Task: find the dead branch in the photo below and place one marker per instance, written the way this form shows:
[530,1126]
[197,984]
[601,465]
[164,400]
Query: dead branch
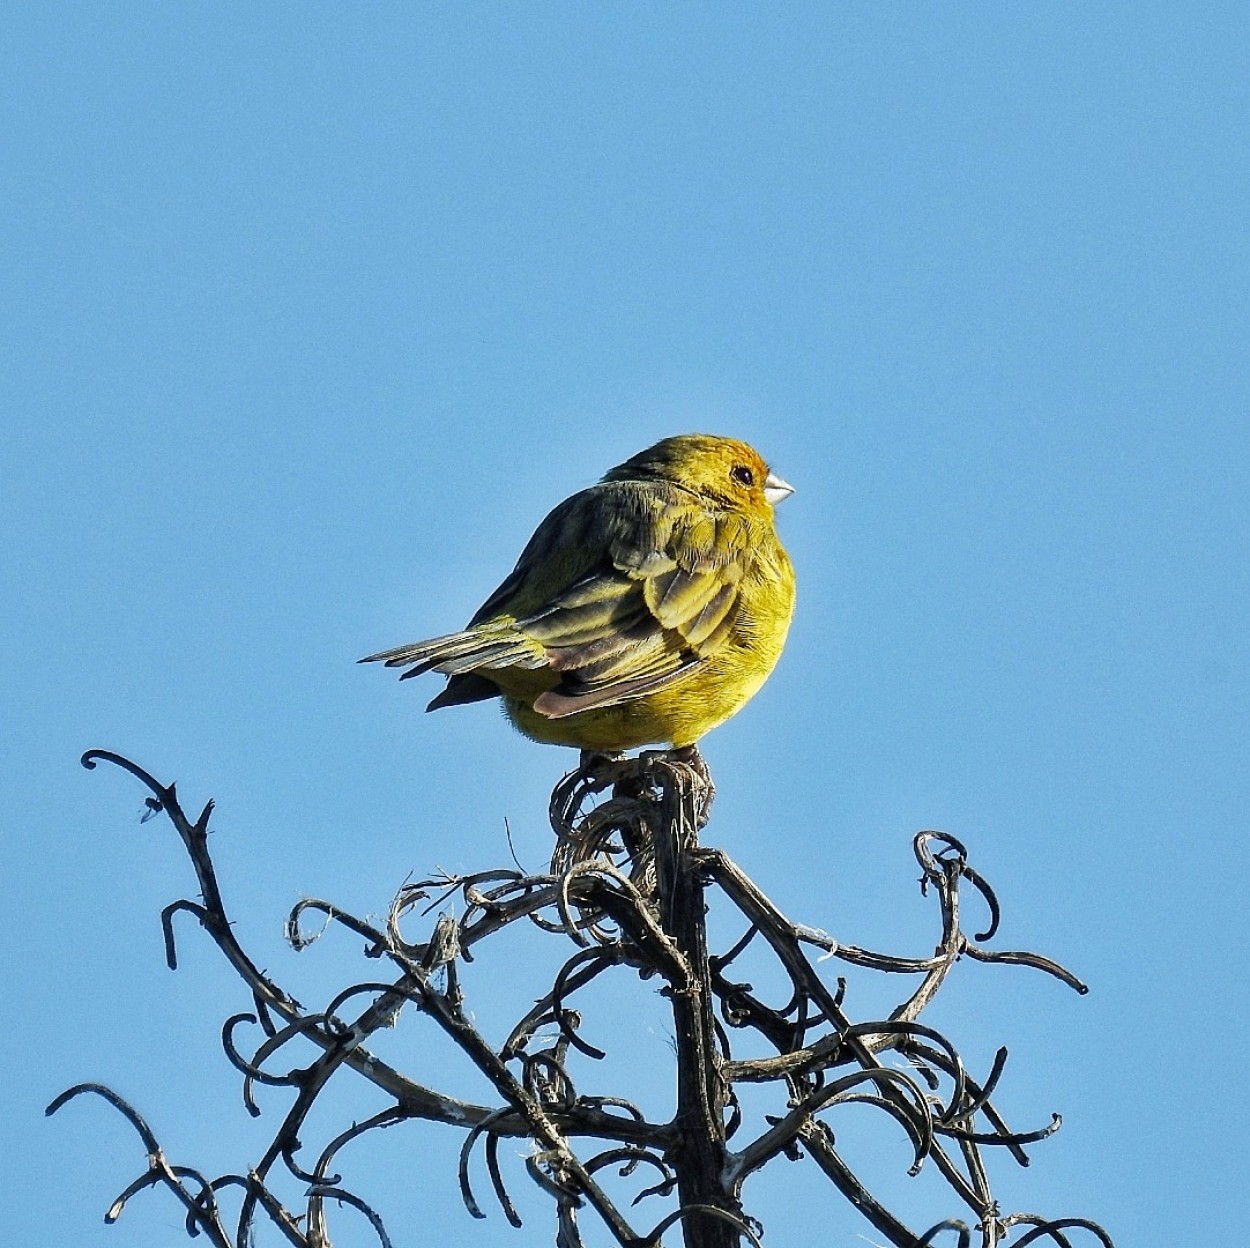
[628,888]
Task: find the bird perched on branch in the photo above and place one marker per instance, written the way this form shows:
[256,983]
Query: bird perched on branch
[646,609]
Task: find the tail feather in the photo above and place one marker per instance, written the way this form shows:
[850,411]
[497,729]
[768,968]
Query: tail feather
[457,653]
[462,689]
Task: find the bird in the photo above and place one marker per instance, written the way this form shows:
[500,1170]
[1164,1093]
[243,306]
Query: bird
[645,610]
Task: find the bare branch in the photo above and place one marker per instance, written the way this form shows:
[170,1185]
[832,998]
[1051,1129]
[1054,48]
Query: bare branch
[628,888]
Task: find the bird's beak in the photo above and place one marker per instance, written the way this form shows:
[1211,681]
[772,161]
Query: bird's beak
[775,489]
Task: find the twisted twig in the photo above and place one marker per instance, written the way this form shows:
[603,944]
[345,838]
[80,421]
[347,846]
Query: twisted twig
[626,889]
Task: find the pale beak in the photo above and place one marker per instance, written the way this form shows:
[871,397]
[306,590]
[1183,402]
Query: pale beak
[775,489]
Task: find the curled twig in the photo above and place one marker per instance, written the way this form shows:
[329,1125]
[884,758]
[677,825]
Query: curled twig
[950,1224]
[466,1151]
[680,1215]
[629,884]
[1053,1227]
[347,1198]
[200,1206]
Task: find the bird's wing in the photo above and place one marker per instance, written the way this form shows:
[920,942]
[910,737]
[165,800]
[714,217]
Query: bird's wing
[659,601]
[625,588]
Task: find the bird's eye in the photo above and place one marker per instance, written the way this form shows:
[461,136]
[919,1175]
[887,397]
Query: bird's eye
[743,475]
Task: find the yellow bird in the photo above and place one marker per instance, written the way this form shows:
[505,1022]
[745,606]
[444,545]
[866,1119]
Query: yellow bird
[646,609]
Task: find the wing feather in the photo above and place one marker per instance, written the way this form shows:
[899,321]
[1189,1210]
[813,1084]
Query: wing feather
[556,704]
[663,601]
[624,589]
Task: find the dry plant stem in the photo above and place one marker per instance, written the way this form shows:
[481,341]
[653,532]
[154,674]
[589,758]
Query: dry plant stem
[421,1101]
[627,892]
[699,1154]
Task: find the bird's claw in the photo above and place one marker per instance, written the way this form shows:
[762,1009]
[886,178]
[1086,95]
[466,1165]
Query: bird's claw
[689,756]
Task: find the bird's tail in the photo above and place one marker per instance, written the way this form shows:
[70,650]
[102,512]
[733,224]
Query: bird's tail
[469,651]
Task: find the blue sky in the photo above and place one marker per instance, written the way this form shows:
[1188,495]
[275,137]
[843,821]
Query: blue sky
[311,312]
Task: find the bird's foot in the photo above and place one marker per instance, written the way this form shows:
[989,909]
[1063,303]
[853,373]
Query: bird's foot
[689,756]
[594,761]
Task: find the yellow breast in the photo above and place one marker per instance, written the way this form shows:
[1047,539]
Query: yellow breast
[680,714]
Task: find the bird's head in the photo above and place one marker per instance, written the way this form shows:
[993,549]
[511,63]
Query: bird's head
[722,470]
